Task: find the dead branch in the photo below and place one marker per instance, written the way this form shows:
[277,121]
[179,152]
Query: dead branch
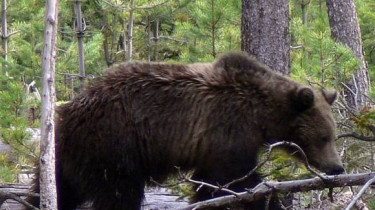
[166,185]
[184,178]
[136,8]
[10,34]
[266,188]
[6,194]
[201,184]
[360,193]
[169,38]
[357,136]
[268,155]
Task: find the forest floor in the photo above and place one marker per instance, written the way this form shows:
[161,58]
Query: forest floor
[155,199]
[164,199]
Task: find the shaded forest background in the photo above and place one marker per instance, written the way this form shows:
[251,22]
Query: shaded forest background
[184,31]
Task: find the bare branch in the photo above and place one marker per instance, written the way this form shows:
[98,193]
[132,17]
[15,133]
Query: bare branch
[13,33]
[152,6]
[201,184]
[269,151]
[360,193]
[348,88]
[5,194]
[296,47]
[266,188]
[184,178]
[169,38]
[166,185]
[357,136]
[135,8]
[116,6]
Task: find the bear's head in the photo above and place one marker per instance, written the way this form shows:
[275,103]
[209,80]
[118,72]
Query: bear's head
[306,120]
[313,128]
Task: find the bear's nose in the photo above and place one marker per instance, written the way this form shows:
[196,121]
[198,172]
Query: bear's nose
[338,169]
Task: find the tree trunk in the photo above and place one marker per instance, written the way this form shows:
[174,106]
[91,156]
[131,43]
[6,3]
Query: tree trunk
[265,32]
[4,34]
[148,25]
[130,31]
[156,40]
[47,144]
[106,32]
[81,52]
[213,29]
[114,36]
[304,5]
[124,41]
[345,29]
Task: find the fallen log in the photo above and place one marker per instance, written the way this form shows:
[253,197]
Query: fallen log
[163,199]
[266,188]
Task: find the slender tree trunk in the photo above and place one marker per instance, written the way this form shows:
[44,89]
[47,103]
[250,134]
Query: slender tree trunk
[345,29]
[48,193]
[114,36]
[265,32]
[156,40]
[304,5]
[107,53]
[130,31]
[4,34]
[80,35]
[125,37]
[148,25]
[213,28]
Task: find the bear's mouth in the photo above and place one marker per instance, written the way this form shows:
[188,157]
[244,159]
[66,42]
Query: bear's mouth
[333,169]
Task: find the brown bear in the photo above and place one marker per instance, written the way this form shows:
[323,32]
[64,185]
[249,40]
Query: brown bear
[142,120]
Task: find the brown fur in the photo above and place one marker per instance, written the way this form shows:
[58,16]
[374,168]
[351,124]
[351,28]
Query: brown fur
[142,120]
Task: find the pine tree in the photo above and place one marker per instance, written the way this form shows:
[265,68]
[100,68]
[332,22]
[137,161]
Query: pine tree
[265,32]
[345,29]
[316,57]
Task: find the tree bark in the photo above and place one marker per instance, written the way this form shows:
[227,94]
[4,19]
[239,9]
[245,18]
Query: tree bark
[47,144]
[4,34]
[267,188]
[81,52]
[107,52]
[124,41]
[156,40]
[130,31]
[213,29]
[345,29]
[304,5]
[265,32]
[148,25]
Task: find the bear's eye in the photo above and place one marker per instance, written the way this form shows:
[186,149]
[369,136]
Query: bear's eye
[325,139]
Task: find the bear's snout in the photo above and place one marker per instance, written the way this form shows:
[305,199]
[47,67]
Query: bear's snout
[337,169]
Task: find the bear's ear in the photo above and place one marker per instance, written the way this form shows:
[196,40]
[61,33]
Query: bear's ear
[234,61]
[239,64]
[303,99]
[330,96]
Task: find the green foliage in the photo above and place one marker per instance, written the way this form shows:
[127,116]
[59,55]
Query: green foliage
[8,170]
[366,14]
[14,129]
[209,24]
[365,120]
[189,31]
[317,57]
[371,204]
[183,190]
[282,167]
